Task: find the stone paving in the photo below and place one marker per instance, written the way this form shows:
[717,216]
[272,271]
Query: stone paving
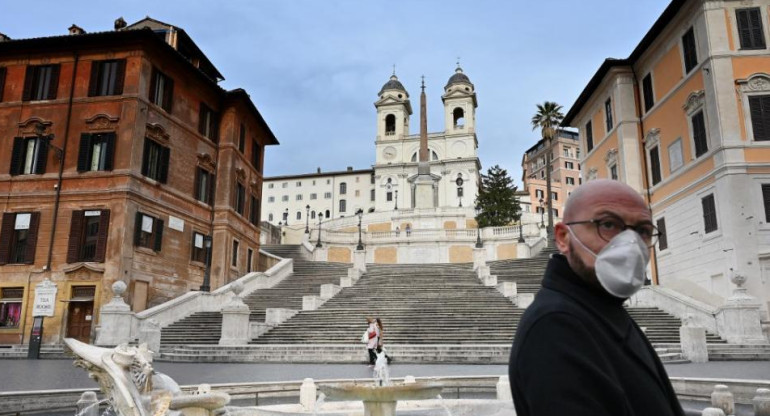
[24,375]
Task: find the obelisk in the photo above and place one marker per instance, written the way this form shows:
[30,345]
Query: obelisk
[424,189]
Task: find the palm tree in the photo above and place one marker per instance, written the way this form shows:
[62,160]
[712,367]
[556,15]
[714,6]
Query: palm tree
[548,118]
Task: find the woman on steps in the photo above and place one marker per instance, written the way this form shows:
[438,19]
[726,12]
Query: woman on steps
[372,335]
[380,347]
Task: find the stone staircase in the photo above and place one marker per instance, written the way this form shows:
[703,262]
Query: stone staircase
[46,351]
[205,327]
[286,251]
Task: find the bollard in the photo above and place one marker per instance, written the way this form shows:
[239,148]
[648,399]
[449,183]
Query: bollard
[762,402]
[307,394]
[723,399]
[88,405]
[712,411]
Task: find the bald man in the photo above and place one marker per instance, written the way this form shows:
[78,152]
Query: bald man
[576,350]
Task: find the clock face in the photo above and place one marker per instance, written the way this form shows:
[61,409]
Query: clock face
[389,153]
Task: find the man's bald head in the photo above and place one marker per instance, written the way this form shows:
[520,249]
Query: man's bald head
[600,191]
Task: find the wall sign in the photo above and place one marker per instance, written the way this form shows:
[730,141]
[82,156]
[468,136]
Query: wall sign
[45,298]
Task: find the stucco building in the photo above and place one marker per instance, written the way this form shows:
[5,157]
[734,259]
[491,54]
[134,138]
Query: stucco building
[120,156]
[685,120]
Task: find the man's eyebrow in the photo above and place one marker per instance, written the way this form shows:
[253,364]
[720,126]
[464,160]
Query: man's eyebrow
[602,214]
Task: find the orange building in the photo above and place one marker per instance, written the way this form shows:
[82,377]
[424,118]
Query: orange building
[120,156]
[685,120]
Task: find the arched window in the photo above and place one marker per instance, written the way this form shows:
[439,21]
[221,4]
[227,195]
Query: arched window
[343,188]
[328,214]
[459,117]
[390,125]
[299,215]
[433,156]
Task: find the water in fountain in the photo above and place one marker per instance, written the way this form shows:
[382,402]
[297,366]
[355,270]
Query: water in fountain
[381,371]
[88,410]
[442,404]
[318,403]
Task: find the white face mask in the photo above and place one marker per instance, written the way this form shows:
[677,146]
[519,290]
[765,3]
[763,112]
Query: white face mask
[620,265]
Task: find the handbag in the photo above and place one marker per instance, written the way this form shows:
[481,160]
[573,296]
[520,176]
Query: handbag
[365,337]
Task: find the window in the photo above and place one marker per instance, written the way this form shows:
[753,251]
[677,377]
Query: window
[155,161]
[589,137]
[675,159]
[239,198]
[750,29]
[312,215]
[570,180]
[608,114]
[198,248]
[358,179]
[539,193]
[18,237]
[299,197]
[460,192]
[242,139]
[358,192]
[2,81]
[285,198]
[161,90]
[327,195]
[699,133]
[372,194]
[690,53]
[554,196]
[148,232]
[236,245]
[88,236]
[567,152]
[249,259]
[41,83]
[270,199]
[660,224]
[459,117]
[29,155]
[313,196]
[285,185]
[343,188]
[709,214]
[614,172]
[254,209]
[96,152]
[389,196]
[569,165]
[270,186]
[286,216]
[299,184]
[256,155]
[542,174]
[655,165]
[208,123]
[649,98]
[390,125]
[204,186]
[107,78]
[328,214]
[270,217]
[759,109]
[766,200]
[10,306]
[299,215]
[343,205]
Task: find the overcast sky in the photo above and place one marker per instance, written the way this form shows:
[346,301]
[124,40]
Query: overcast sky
[313,68]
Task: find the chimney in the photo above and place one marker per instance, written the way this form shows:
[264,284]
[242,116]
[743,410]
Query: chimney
[350,168]
[4,37]
[76,30]
[319,170]
[120,23]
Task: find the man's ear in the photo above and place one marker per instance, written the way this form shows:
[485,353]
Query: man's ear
[561,235]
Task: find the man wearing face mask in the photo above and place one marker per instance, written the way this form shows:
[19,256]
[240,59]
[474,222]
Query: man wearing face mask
[576,349]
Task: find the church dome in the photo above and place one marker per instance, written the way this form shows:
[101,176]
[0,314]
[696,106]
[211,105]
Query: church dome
[458,77]
[392,84]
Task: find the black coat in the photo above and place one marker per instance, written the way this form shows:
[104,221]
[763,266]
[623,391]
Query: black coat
[578,352]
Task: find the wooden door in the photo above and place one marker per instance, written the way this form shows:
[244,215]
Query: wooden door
[79,320]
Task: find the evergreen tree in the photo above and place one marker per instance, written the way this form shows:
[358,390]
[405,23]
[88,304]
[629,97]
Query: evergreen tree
[497,199]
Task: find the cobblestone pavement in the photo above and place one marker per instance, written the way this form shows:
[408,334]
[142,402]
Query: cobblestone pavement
[24,375]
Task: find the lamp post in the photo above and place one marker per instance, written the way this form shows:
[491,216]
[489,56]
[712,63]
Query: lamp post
[307,219]
[320,215]
[478,228]
[542,212]
[206,286]
[360,214]
[396,206]
[286,216]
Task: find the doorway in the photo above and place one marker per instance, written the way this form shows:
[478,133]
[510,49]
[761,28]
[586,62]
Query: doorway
[80,313]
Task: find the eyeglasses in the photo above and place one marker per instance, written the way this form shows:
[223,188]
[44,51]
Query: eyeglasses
[609,227]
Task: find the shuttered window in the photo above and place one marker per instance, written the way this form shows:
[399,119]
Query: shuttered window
[18,237]
[29,155]
[655,165]
[750,29]
[242,139]
[699,134]
[589,137]
[663,238]
[96,152]
[254,210]
[3,71]
[236,247]
[208,123]
[107,78]
[161,90]
[689,50]
[155,161]
[256,155]
[204,186]
[41,83]
[766,200]
[709,214]
[148,232]
[759,108]
[608,114]
[198,248]
[88,236]
[649,98]
[239,201]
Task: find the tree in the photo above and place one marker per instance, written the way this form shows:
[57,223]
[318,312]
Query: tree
[496,201]
[548,118]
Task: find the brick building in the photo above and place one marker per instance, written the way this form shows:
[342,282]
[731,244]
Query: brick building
[119,153]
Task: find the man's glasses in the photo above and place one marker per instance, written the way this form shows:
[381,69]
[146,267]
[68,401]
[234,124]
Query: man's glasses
[609,227]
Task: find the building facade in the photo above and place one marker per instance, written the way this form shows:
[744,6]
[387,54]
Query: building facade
[685,120]
[390,184]
[121,157]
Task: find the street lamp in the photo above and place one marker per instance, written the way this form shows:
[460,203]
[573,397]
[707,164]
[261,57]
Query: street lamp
[542,212]
[307,219]
[286,216]
[360,214]
[320,215]
[206,286]
[396,207]
[478,228]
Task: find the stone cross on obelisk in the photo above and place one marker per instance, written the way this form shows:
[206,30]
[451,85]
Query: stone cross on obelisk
[424,184]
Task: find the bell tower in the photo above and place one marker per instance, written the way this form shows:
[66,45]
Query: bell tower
[459,104]
[393,111]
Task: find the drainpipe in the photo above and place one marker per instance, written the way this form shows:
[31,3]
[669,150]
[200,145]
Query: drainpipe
[61,163]
[644,165]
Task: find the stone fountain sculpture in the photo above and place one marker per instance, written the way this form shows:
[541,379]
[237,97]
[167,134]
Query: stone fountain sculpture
[125,375]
